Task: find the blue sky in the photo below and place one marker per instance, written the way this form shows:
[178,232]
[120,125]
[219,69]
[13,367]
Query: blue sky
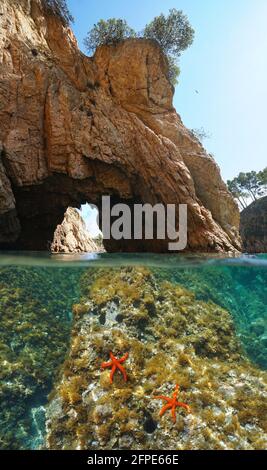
[227,64]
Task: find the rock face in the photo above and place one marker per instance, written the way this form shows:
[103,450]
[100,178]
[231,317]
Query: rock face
[72,236]
[254,226]
[74,128]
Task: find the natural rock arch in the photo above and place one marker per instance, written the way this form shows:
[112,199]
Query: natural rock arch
[74,128]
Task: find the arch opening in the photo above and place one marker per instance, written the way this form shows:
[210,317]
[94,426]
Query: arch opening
[79,232]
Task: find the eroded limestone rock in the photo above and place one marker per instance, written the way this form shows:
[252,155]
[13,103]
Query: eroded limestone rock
[72,235]
[74,128]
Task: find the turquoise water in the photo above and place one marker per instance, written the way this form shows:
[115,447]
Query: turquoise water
[37,294]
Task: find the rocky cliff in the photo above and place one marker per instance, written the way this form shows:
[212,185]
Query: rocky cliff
[254,226]
[74,128]
[72,236]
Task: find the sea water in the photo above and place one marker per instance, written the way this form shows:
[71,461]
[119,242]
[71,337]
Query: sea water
[60,315]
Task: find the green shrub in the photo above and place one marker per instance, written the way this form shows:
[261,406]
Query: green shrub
[173,32]
[174,70]
[107,32]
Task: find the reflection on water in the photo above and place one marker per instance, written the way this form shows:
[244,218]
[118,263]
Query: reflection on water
[46,259]
[197,321]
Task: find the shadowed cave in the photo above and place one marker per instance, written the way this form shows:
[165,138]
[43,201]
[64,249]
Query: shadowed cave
[40,208]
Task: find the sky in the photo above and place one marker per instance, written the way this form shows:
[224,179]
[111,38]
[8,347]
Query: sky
[227,65]
[90,217]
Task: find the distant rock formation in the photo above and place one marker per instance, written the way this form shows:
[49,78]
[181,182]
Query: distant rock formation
[74,128]
[254,226]
[72,236]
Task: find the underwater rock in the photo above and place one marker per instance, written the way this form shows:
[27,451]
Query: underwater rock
[241,291]
[38,420]
[74,128]
[182,341]
[253,226]
[72,235]
[263,340]
[34,337]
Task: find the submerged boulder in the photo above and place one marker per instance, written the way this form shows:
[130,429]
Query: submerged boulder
[171,338]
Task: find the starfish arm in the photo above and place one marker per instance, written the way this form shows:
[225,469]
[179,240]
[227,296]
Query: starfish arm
[183,405]
[122,371]
[112,373]
[104,365]
[162,397]
[176,391]
[125,377]
[173,414]
[123,358]
[164,408]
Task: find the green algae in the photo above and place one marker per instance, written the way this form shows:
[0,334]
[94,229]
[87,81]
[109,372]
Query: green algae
[185,340]
[198,327]
[35,323]
[240,290]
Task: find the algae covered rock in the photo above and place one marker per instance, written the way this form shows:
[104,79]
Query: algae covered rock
[171,338]
[242,291]
[34,335]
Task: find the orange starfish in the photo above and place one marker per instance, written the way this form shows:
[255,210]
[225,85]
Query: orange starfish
[115,364]
[172,403]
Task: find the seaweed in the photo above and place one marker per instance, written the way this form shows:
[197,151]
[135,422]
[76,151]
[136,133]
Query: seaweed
[186,341]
